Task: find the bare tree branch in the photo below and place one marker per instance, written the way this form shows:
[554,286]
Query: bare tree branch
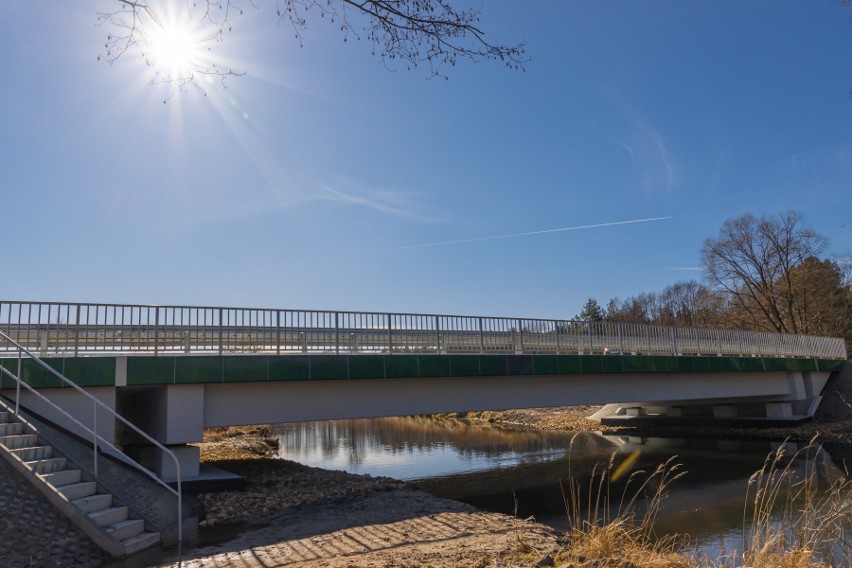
[432,33]
[134,26]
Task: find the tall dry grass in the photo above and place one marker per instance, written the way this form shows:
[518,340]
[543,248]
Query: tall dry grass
[607,531]
[788,520]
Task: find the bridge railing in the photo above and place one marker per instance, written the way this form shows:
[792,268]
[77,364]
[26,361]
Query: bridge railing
[71,329]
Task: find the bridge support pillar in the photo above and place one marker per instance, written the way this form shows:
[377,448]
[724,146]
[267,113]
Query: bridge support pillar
[171,414]
[779,410]
[724,411]
[154,459]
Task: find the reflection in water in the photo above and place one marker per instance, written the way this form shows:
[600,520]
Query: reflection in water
[522,472]
[416,447]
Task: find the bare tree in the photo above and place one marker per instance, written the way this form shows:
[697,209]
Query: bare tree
[687,303]
[753,263]
[433,33]
[642,308]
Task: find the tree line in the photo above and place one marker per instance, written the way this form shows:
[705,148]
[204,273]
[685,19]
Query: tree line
[763,273]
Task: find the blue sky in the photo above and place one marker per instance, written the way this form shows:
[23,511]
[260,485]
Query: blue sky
[287,188]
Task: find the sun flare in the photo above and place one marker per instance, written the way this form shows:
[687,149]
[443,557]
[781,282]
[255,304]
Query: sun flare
[175,49]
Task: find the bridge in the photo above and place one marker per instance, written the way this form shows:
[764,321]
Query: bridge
[175,370]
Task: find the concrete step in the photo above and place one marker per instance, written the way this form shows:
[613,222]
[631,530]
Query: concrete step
[19,441]
[91,503]
[109,517]
[9,428]
[140,542]
[78,490]
[48,465]
[5,417]
[34,453]
[64,477]
[126,529]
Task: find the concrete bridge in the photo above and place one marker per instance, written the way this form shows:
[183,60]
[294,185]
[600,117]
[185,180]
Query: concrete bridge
[175,370]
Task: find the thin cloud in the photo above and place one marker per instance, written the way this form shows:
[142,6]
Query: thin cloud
[645,146]
[515,235]
[383,201]
[686,268]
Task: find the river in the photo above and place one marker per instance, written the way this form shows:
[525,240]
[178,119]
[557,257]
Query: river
[525,473]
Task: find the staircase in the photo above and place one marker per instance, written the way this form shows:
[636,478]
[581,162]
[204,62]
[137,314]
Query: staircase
[107,523]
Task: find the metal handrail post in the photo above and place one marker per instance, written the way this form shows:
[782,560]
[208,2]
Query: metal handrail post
[18,384]
[520,346]
[95,436]
[481,338]
[179,510]
[220,331]
[77,333]
[336,333]
[390,335]
[278,332]
[438,334]
[556,328]
[589,332]
[156,329]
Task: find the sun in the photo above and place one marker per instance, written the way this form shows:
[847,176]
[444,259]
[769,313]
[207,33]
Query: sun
[175,49]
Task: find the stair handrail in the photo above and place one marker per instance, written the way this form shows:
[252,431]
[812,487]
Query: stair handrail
[94,430]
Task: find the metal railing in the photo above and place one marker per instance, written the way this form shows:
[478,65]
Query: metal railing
[69,329]
[93,431]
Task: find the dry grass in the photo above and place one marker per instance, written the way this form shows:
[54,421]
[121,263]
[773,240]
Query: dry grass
[605,533]
[793,522]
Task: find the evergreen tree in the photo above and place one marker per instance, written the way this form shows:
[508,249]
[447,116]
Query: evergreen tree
[592,311]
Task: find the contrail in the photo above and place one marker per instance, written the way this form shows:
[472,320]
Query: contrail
[513,235]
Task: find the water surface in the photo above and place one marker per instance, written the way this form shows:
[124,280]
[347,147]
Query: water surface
[526,473]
